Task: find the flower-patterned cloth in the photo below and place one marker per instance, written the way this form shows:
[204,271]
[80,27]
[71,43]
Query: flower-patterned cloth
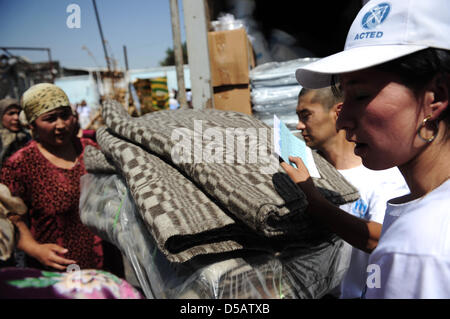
[25,283]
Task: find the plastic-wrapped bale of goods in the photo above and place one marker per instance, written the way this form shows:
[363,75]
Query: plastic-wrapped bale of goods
[274,90]
[107,207]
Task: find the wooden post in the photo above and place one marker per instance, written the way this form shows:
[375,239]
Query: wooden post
[178,52]
[130,98]
[101,36]
[196,26]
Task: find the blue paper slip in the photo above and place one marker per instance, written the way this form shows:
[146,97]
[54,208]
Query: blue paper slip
[287,144]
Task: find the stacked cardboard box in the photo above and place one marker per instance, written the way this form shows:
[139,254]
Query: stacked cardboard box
[231,57]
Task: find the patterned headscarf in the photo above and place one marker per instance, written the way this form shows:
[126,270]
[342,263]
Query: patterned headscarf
[42,98]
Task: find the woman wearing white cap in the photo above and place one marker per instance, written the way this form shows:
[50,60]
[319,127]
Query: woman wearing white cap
[395,75]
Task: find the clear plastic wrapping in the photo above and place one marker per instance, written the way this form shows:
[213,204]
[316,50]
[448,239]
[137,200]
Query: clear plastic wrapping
[278,95]
[275,90]
[107,207]
[277,73]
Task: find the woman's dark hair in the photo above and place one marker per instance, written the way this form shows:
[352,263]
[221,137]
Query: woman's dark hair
[416,70]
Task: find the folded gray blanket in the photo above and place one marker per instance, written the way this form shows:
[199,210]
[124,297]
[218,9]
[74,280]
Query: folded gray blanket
[194,208]
[181,218]
[96,161]
[235,168]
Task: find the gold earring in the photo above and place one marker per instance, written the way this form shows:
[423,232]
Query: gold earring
[424,122]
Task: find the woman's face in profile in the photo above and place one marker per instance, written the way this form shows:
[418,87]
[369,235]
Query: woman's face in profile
[56,127]
[10,119]
[381,116]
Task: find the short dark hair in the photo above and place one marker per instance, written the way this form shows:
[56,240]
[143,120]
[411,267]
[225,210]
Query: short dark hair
[325,96]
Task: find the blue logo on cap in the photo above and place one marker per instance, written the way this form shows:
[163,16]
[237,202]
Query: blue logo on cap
[376,16]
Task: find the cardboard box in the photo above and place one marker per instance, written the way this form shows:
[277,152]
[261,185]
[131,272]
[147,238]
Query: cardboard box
[233,98]
[229,57]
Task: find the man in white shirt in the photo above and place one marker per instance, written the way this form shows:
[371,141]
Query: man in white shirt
[317,111]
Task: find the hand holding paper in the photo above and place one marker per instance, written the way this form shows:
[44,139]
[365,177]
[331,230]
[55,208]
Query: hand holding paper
[287,144]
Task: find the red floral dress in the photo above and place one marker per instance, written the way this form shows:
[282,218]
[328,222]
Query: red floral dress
[52,196]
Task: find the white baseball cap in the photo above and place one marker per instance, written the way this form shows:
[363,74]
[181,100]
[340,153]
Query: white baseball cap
[383,31]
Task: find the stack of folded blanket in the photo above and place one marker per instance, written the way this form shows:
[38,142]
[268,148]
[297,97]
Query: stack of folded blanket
[198,189]
[306,272]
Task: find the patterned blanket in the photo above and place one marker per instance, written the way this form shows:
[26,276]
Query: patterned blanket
[207,182]
[107,207]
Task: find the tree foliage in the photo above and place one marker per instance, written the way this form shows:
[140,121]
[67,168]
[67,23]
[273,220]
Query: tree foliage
[170,56]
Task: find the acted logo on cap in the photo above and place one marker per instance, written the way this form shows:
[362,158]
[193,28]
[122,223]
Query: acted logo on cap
[376,16]
[373,18]
[382,31]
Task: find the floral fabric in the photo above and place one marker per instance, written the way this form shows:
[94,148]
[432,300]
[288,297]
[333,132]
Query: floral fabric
[31,283]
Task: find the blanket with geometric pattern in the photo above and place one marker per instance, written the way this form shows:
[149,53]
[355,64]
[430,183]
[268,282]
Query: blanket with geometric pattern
[207,181]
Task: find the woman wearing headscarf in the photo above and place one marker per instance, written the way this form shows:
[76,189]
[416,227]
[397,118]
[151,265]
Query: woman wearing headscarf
[46,176]
[13,135]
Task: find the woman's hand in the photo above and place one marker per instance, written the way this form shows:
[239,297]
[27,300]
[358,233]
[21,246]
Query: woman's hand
[48,255]
[300,176]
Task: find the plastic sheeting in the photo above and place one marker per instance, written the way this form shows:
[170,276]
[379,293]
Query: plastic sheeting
[107,207]
[275,90]
[277,73]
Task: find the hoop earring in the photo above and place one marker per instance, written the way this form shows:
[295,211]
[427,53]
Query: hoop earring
[424,122]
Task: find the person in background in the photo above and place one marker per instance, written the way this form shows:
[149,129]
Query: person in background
[46,176]
[84,114]
[189,98]
[173,102]
[13,135]
[395,75]
[317,112]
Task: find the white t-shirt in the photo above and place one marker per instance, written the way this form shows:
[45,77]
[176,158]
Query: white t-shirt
[413,254]
[84,114]
[375,188]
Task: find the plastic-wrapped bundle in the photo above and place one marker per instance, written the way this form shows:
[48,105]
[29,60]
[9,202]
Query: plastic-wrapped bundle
[205,208]
[275,90]
[277,73]
[281,101]
[107,207]
[275,95]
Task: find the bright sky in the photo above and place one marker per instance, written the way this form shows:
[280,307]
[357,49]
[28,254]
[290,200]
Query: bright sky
[144,26]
